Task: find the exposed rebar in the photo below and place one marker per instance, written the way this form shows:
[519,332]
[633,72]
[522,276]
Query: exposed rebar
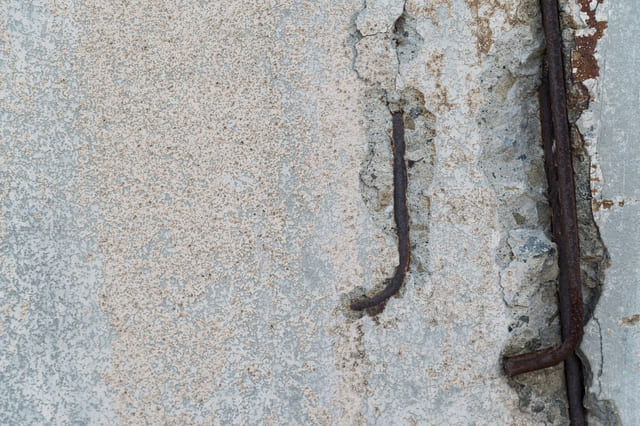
[400,215]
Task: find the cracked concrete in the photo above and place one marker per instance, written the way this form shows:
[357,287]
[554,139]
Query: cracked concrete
[376,60]
[379,16]
[191,193]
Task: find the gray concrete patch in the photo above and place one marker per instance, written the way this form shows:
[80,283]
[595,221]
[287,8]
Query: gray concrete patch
[611,128]
[54,336]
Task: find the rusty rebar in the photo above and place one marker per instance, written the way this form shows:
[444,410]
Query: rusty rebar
[555,124]
[572,365]
[400,215]
[575,389]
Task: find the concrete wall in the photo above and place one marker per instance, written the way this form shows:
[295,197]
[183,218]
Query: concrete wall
[192,192]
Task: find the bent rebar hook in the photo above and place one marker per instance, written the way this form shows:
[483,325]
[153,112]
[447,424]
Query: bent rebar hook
[555,125]
[562,197]
[400,215]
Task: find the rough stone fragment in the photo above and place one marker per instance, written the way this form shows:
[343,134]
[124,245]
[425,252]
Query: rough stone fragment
[534,265]
[376,61]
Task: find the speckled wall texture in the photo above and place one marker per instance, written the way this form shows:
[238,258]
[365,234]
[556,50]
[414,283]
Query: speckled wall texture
[192,192]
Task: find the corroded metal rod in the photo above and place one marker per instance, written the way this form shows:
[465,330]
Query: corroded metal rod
[555,125]
[572,365]
[401,217]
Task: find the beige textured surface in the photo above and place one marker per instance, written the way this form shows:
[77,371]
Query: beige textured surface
[226,174]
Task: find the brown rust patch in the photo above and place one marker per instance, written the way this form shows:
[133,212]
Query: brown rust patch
[630,321]
[578,99]
[605,204]
[583,61]
[481,29]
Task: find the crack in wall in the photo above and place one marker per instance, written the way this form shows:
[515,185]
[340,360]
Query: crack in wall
[605,411]
[375,43]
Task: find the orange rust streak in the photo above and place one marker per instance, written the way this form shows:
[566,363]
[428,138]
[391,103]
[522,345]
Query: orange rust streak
[583,61]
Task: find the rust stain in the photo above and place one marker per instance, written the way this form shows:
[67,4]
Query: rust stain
[583,61]
[605,204]
[481,29]
[513,13]
[584,66]
[578,98]
[630,321]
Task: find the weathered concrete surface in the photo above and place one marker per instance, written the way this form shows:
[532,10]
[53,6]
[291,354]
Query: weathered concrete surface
[54,337]
[193,192]
[611,128]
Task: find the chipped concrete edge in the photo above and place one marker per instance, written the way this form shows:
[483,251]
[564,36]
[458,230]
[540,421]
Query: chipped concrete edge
[587,25]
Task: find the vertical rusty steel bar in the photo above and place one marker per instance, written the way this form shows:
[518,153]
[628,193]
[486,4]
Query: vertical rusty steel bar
[572,365]
[575,389]
[401,217]
[563,187]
